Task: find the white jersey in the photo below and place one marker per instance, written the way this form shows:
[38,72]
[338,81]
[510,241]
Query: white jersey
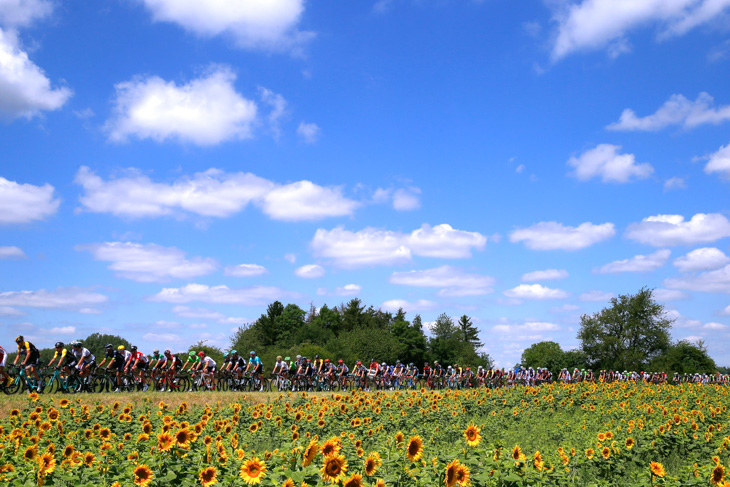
[83,355]
[208,362]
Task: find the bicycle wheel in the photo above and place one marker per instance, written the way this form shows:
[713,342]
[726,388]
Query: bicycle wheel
[52,385]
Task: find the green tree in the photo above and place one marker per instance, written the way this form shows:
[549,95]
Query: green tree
[545,354]
[468,333]
[627,335]
[97,341]
[214,352]
[686,358]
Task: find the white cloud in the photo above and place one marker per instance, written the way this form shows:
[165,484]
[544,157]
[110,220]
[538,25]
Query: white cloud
[593,296]
[59,330]
[371,246]
[305,200]
[24,203]
[725,312]
[206,111]
[535,291]
[605,162]
[406,199]
[150,262]
[348,290]
[678,110]
[245,270]
[692,338]
[669,295]
[311,271]
[674,183]
[597,24]
[151,338]
[518,331]
[12,253]
[212,193]
[250,296]
[269,25]
[566,308]
[452,281]
[393,305]
[278,110]
[309,132]
[167,324]
[638,263]
[291,258]
[21,13]
[714,326]
[681,321]
[717,281]
[719,162]
[12,312]
[704,259]
[546,275]
[205,314]
[25,91]
[556,236]
[70,298]
[669,230]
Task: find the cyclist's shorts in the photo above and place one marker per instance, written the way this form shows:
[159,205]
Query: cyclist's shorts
[143,365]
[210,369]
[117,364]
[3,359]
[35,360]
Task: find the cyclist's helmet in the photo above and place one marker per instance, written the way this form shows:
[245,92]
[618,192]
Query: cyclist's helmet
[234,352]
[59,344]
[358,363]
[278,358]
[225,354]
[340,361]
[192,353]
[435,362]
[108,346]
[309,360]
[316,357]
[156,351]
[425,364]
[201,354]
[287,359]
[77,343]
[252,352]
[167,352]
[467,368]
[133,348]
[298,357]
[120,347]
[326,360]
[372,360]
[19,339]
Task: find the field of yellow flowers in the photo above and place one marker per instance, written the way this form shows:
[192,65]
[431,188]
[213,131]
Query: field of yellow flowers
[586,434]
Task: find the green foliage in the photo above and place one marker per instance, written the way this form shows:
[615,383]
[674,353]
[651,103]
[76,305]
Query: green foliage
[545,354]
[97,341]
[627,335]
[686,358]
[214,352]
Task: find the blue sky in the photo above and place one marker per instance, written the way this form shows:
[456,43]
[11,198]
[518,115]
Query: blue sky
[170,167]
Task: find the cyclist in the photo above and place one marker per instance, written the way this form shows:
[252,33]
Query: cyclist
[138,362]
[64,357]
[256,366]
[85,361]
[342,370]
[280,366]
[121,356]
[328,370]
[155,359]
[238,364]
[317,364]
[4,377]
[32,359]
[174,364]
[208,367]
[108,354]
[193,360]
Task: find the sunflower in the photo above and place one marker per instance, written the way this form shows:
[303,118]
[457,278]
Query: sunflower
[354,481]
[310,453]
[30,453]
[68,451]
[207,476]
[89,459]
[331,447]
[370,466]
[335,468]
[380,483]
[105,433]
[47,463]
[183,437]
[451,473]
[399,437]
[517,454]
[606,452]
[288,483]
[64,403]
[630,443]
[143,475]
[657,469]
[472,435]
[462,476]
[252,471]
[415,448]
[718,473]
[254,427]
[590,453]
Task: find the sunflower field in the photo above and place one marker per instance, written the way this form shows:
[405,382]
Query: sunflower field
[577,435]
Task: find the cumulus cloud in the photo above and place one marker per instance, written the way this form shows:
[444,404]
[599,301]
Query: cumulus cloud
[597,24]
[638,263]
[311,271]
[452,281]
[305,200]
[245,270]
[372,246]
[604,161]
[68,298]
[725,312]
[346,290]
[150,262]
[10,312]
[24,203]
[394,305]
[714,326]
[308,132]
[206,314]
[402,199]
[719,162]
[206,111]
[669,295]
[212,193]
[278,110]
[270,25]
[25,91]
[678,110]
[530,328]
[546,275]
[704,259]
[717,281]
[21,13]
[250,296]
[556,236]
[535,291]
[674,183]
[669,230]
[594,296]
[12,253]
